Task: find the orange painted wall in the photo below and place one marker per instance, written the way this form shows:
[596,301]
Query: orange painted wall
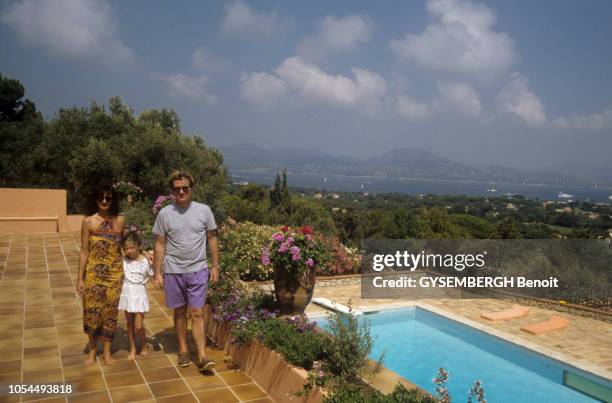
[33,210]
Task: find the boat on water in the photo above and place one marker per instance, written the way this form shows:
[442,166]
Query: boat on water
[563,195]
[492,190]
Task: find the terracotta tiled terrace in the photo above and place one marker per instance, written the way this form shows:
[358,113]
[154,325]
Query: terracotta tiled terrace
[42,339]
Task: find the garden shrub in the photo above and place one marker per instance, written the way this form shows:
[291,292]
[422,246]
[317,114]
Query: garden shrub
[240,246]
[338,258]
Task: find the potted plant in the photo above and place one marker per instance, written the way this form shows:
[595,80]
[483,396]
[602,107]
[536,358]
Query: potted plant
[293,255]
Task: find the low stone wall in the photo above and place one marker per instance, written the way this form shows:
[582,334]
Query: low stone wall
[33,210]
[268,368]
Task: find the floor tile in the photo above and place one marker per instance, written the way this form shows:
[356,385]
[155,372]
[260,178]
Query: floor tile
[130,394]
[249,391]
[117,380]
[235,378]
[88,384]
[187,398]
[153,362]
[160,374]
[169,388]
[205,382]
[223,395]
[97,397]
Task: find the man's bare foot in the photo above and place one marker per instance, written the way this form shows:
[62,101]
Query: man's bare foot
[132,354]
[108,360]
[145,350]
[91,358]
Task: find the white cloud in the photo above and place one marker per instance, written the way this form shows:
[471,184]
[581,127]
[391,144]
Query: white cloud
[240,18]
[262,89]
[194,87]
[202,59]
[593,121]
[460,39]
[458,99]
[411,109]
[314,83]
[517,98]
[298,79]
[75,28]
[335,35]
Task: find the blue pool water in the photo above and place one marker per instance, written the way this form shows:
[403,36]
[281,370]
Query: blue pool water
[417,342]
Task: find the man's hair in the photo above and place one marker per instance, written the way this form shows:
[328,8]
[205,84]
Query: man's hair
[177,175]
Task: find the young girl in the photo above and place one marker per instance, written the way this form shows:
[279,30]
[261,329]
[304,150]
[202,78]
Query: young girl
[134,300]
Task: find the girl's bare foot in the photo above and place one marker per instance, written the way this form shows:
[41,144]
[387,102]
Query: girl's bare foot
[108,360]
[91,358]
[145,350]
[132,354]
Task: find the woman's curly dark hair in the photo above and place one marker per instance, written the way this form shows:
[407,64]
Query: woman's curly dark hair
[98,191]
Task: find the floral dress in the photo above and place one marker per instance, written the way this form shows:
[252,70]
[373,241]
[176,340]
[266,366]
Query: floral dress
[103,281]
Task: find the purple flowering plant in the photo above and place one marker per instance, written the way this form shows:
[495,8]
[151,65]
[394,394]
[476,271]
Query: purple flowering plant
[293,249]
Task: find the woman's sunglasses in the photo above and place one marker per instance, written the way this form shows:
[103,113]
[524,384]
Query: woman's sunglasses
[105,198]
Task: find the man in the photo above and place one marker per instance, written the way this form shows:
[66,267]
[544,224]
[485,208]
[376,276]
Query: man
[183,229]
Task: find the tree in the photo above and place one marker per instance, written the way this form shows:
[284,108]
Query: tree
[21,128]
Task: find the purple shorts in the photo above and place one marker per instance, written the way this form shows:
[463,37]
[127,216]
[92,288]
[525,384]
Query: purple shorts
[187,289]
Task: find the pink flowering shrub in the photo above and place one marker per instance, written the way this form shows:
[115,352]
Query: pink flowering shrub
[161,202]
[338,259]
[293,249]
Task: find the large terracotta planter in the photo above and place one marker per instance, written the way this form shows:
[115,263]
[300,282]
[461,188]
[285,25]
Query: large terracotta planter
[293,291]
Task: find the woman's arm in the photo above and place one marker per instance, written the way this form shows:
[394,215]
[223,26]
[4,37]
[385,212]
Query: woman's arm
[84,255]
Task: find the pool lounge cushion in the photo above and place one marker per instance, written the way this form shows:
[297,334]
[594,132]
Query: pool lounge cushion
[516,311]
[555,322]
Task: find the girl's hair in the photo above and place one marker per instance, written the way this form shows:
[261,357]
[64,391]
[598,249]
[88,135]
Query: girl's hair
[132,236]
[97,193]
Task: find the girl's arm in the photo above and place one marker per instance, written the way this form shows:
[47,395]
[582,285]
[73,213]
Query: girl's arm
[84,255]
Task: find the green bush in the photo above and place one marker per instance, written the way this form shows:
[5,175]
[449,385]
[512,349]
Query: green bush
[349,346]
[301,349]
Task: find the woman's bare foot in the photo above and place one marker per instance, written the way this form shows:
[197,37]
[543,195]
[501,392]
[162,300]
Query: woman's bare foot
[145,350]
[132,354]
[91,358]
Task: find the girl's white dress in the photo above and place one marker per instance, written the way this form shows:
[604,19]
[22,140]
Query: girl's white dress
[134,293]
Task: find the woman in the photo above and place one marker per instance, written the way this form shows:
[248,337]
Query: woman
[101,271]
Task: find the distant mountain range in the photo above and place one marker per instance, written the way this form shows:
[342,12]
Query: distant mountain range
[403,162]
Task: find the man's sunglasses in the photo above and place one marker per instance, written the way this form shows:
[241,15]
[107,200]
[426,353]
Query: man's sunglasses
[177,189]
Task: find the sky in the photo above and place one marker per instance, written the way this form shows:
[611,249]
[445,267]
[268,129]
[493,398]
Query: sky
[514,83]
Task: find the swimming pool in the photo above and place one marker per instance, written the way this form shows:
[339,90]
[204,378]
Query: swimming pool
[417,342]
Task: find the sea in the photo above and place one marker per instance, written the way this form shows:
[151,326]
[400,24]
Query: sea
[411,186]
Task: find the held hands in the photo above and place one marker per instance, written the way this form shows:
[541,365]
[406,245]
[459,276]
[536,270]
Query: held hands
[158,281]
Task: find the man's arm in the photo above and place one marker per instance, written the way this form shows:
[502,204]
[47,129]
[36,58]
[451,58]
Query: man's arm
[213,246]
[159,251]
